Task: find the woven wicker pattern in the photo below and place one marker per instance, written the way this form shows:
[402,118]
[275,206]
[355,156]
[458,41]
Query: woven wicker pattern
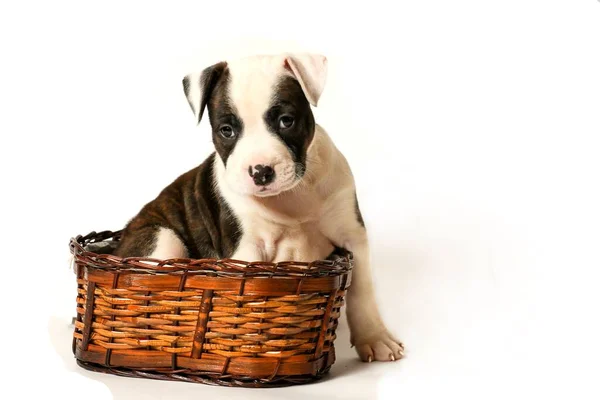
[222,322]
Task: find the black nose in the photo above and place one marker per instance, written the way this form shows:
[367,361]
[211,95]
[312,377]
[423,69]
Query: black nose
[261,174]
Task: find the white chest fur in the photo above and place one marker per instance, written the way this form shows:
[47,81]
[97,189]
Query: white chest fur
[275,242]
[281,228]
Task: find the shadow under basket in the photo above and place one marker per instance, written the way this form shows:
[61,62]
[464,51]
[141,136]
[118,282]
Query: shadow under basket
[219,322]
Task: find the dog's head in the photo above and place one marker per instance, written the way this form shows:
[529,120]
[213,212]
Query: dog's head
[259,110]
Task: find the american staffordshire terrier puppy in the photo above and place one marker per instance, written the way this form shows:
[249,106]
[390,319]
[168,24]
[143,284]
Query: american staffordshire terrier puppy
[275,189]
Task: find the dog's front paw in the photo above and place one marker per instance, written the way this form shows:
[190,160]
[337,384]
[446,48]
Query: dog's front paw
[380,347]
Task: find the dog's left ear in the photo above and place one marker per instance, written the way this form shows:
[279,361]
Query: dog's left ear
[311,72]
[199,86]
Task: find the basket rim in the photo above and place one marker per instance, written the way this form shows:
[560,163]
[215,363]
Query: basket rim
[341,264]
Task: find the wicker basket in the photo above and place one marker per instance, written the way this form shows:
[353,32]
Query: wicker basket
[222,322]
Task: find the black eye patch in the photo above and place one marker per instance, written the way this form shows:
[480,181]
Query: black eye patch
[289,99]
[230,119]
[221,112]
[273,116]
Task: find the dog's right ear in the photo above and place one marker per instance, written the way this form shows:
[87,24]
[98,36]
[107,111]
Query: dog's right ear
[199,86]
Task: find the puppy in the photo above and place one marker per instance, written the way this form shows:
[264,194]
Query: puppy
[275,189]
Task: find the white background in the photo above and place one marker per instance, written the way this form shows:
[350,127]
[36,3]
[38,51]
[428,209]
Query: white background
[471,127]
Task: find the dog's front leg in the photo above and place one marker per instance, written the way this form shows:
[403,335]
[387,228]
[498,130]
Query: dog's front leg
[367,330]
[248,250]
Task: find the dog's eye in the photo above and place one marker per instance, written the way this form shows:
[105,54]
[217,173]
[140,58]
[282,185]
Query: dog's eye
[227,131]
[286,121]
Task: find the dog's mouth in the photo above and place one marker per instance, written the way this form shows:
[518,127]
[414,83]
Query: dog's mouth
[266,192]
[275,189]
